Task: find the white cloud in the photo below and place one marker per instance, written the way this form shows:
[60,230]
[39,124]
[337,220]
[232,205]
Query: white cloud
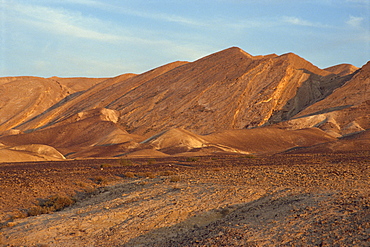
[144,14]
[355,21]
[163,17]
[69,31]
[60,21]
[292,20]
[297,21]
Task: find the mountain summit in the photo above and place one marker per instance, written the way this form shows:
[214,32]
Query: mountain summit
[227,90]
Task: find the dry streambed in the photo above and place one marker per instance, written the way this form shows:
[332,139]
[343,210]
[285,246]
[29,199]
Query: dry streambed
[281,200]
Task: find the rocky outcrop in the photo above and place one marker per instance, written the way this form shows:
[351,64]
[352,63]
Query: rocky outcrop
[179,106]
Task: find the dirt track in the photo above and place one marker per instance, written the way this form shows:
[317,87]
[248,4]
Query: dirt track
[290,200]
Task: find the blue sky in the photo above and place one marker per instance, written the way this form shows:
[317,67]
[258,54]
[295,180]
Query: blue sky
[96,38]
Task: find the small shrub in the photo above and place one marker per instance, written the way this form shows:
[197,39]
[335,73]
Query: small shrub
[141,174]
[150,175]
[129,175]
[192,159]
[124,162]
[105,165]
[166,173]
[151,161]
[36,210]
[18,214]
[100,180]
[175,178]
[51,204]
[145,174]
[57,202]
[82,184]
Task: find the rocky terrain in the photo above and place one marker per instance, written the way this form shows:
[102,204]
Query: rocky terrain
[224,200]
[228,150]
[196,107]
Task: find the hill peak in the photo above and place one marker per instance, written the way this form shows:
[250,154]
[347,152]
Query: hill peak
[300,63]
[231,52]
[342,69]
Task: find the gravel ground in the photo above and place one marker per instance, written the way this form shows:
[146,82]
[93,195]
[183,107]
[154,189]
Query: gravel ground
[223,200]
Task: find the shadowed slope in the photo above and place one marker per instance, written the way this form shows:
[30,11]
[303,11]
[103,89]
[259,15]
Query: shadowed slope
[32,152]
[268,140]
[237,89]
[354,92]
[73,137]
[345,111]
[226,90]
[354,143]
[179,105]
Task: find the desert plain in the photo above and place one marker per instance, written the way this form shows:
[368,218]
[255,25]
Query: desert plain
[228,150]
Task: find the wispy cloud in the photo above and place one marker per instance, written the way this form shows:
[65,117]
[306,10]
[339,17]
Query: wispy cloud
[60,21]
[300,22]
[70,29]
[355,21]
[158,16]
[164,17]
[297,21]
[293,20]
[73,24]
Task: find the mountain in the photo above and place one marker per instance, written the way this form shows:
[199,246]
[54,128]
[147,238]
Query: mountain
[345,111]
[342,69]
[23,98]
[91,128]
[229,101]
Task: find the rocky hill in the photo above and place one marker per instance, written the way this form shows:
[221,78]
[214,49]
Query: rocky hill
[247,102]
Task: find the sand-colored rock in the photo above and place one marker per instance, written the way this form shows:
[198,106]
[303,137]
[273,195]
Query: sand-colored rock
[176,138]
[342,69]
[337,121]
[236,88]
[11,132]
[32,152]
[354,92]
[352,143]
[189,107]
[24,98]
[74,136]
[268,140]
[39,149]
[78,84]
[98,96]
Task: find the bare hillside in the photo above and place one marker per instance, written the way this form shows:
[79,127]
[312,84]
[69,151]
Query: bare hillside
[229,101]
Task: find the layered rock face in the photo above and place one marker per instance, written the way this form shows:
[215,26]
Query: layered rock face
[225,91]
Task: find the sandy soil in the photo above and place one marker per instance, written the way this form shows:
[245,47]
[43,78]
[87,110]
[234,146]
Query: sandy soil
[285,200]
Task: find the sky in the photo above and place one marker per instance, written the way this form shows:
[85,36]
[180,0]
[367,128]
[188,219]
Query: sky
[106,38]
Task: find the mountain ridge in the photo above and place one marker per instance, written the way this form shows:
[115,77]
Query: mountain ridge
[224,91]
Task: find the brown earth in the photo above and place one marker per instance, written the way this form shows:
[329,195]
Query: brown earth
[342,69]
[229,101]
[228,150]
[222,200]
